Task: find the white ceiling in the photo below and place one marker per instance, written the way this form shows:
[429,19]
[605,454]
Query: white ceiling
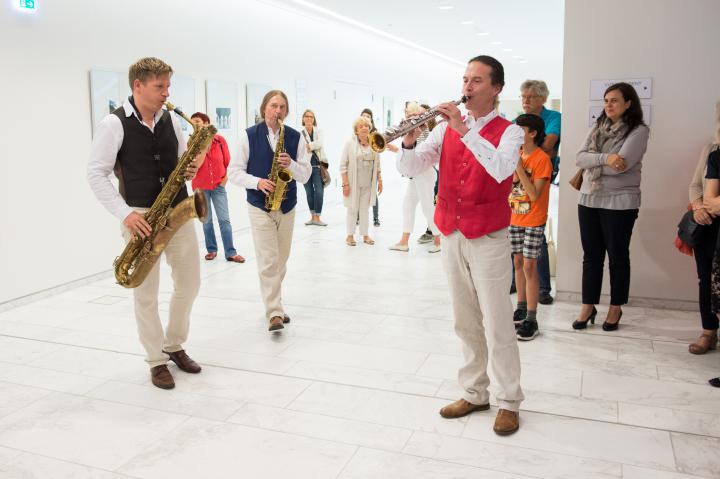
[530,29]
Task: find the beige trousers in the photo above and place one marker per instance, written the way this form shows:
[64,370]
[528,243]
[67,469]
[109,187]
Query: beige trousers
[272,234]
[363,210]
[479,276]
[183,256]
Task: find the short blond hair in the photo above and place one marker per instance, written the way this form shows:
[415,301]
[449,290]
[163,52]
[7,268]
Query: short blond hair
[537,87]
[413,108]
[147,68]
[357,123]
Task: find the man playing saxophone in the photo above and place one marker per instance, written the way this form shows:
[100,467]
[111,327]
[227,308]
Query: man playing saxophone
[272,229]
[141,143]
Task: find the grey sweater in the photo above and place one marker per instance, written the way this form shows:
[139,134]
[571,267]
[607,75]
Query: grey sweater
[619,190]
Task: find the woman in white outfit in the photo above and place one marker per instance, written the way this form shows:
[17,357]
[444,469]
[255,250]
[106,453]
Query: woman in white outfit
[420,188]
[361,181]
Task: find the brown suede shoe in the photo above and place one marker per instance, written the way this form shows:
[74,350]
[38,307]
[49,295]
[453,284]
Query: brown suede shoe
[184,362]
[161,377]
[704,343]
[506,422]
[276,323]
[461,408]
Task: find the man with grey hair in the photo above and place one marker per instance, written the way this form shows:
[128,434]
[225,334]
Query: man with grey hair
[534,94]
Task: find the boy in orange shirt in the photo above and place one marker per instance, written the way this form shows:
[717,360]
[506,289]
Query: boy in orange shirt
[529,201]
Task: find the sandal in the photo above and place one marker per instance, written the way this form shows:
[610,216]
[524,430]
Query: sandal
[704,343]
[350,242]
[368,241]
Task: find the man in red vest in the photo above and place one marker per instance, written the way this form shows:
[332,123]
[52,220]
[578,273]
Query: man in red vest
[477,154]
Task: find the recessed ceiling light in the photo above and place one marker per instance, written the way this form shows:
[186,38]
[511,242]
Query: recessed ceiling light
[507,49]
[482,34]
[523,61]
[467,22]
[518,57]
[446,7]
[496,43]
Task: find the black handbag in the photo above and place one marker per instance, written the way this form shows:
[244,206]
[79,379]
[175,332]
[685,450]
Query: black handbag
[689,231]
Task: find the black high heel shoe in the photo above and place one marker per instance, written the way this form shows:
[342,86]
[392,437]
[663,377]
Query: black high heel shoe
[612,326]
[583,324]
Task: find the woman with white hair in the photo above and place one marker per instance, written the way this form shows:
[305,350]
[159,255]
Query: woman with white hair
[420,188]
[704,189]
[361,180]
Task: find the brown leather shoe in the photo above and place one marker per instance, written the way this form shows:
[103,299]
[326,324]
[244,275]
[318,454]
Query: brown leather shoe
[161,377]
[184,361]
[704,343]
[276,322]
[286,318]
[461,408]
[236,259]
[506,422]
[210,256]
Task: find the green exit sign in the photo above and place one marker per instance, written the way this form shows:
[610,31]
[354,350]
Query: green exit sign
[27,4]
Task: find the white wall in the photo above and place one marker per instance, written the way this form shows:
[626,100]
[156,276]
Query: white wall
[675,43]
[54,231]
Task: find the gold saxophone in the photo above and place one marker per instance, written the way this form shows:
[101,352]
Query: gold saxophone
[140,254]
[280,176]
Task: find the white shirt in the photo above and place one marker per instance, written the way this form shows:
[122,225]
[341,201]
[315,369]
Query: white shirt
[237,169]
[103,155]
[500,162]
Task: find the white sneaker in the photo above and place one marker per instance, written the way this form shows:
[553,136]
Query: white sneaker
[400,247]
[434,249]
[308,223]
[319,223]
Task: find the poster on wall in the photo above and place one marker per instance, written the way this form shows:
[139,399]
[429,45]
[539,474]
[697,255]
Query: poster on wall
[254,93]
[108,91]
[222,108]
[387,112]
[182,95]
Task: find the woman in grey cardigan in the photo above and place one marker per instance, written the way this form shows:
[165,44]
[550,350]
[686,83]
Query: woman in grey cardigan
[361,181]
[609,200]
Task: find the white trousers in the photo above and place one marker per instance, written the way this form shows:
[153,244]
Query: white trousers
[183,256]
[363,208]
[272,234]
[420,188]
[479,278]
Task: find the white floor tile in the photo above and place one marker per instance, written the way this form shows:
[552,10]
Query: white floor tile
[201,448]
[32,466]
[697,454]
[705,424]
[16,396]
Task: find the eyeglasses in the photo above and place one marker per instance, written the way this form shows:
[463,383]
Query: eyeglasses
[529,97]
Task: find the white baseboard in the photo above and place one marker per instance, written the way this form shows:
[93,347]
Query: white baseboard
[659,303]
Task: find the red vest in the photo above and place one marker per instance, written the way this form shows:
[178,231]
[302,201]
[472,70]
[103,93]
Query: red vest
[469,199]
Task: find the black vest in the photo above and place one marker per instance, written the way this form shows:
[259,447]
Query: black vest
[146,159]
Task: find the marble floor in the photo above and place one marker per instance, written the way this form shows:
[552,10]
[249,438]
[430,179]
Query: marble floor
[351,389]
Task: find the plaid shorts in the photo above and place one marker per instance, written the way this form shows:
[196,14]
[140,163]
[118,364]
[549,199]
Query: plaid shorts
[526,240]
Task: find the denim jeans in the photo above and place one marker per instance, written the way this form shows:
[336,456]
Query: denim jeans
[543,264]
[315,190]
[218,199]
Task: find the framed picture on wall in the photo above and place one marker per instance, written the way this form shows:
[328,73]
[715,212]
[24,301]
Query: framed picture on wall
[182,95]
[387,111]
[222,108]
[254,93]
[108,91]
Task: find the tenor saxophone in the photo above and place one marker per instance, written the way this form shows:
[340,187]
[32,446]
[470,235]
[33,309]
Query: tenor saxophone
[378,141]
[140,254]
[280,176]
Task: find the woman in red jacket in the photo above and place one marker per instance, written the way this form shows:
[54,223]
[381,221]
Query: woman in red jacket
[211,178]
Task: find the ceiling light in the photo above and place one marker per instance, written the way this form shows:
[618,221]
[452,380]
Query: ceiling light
[446,7]
[523,61]
[507,49]
[496,43]
[482,34]
[467,22]
[518,57]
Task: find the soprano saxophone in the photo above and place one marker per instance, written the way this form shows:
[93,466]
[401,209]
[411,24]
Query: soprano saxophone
[280,176]
[140,254]
[378,141]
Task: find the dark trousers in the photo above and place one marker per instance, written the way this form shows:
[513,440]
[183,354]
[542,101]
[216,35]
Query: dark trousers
[543,265]
[604,231]
[376,209]
[315,190]
[704,252]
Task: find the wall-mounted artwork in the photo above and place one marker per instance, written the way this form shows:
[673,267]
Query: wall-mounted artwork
[108,91]
[254,94]
[222,108]
[387,111]
[182,95]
